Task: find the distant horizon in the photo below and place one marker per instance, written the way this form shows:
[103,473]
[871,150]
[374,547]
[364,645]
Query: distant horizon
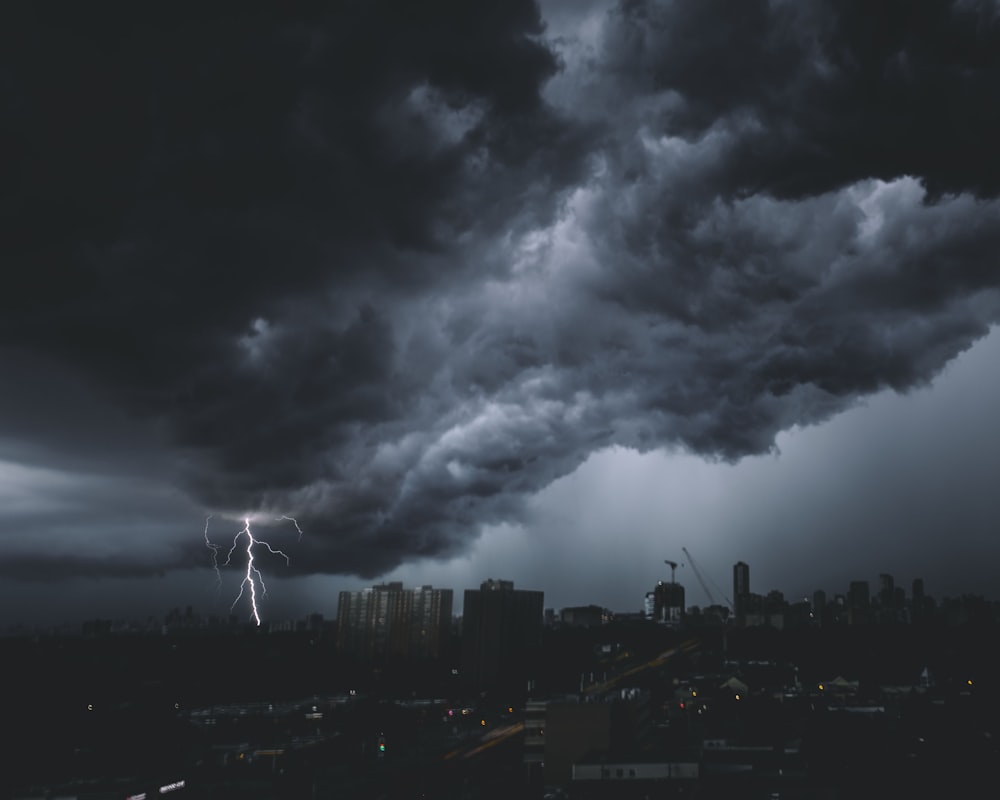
[328,616]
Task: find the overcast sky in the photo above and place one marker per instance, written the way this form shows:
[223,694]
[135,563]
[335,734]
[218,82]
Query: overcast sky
[488,289]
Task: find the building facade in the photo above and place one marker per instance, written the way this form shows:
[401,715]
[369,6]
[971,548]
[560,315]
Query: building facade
[668,603]
[388,622]
[501,635]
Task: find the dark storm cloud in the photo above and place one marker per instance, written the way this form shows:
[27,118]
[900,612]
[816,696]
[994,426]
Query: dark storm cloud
[391,272]
[56,567]
[829,93]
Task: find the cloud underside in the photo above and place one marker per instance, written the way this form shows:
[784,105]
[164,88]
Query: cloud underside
[396,273]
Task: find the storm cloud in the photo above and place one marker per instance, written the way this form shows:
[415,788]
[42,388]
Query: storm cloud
[395,268]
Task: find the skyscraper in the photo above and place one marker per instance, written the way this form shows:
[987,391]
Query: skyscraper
[501,635]
[741,587]
[858,602]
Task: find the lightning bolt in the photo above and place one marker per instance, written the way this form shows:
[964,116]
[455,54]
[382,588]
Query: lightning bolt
[215,554]
[252,571]
[294,522]
[253,577]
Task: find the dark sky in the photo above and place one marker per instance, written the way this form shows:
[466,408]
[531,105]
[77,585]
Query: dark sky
[488,289]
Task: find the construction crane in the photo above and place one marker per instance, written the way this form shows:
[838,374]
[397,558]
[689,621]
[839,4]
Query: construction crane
[701,580]
[673,569]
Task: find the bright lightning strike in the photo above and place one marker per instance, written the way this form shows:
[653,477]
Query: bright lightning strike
[253,577]
[248,580]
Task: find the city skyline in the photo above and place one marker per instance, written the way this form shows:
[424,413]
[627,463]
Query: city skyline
[909,588]
[548,291]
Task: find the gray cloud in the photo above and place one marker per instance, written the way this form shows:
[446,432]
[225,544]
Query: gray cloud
[826,93]
[394,273]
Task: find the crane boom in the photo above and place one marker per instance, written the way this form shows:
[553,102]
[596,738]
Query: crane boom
[697,573]
[701,580]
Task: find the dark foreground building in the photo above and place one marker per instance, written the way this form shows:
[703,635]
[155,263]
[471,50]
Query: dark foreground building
[501,635]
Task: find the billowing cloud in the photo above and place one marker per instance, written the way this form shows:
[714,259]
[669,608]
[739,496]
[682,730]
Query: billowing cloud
[394,272]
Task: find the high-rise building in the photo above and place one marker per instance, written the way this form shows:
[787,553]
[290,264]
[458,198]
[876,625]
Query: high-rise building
[819,606]
[668,603]
[858,602]
[430,621]
[918,602]
[741,587]
[388,622]
[501,635]
[649,605]
[886,589]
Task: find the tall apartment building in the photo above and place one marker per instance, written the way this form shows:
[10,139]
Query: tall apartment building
[430,621]
[501,635]
[388,622]
[858,602]
[741,587]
